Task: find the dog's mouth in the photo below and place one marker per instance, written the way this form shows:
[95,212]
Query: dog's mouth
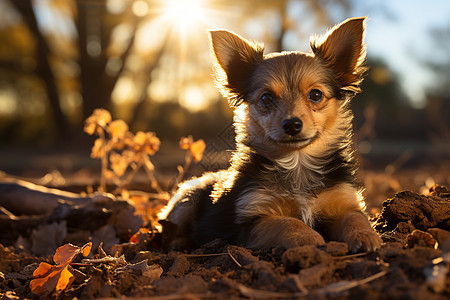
[297,142]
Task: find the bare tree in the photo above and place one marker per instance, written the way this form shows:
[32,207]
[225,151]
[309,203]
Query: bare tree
[43,69]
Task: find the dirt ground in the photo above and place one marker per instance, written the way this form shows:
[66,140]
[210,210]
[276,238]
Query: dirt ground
[413,263]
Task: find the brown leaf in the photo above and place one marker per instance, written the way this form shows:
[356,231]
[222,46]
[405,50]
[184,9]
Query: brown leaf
[46,238]
[47,278]
[135,238]
[420,238]
[65,254]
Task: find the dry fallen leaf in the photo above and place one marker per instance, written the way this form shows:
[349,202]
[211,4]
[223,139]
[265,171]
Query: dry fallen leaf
[47,237]
[135,238]
[47,278]
[420,238]
[152,272]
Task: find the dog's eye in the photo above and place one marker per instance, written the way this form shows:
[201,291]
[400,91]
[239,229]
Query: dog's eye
[266,99]
[315,95]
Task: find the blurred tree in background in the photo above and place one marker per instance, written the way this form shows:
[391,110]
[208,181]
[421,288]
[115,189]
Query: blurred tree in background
[61,59]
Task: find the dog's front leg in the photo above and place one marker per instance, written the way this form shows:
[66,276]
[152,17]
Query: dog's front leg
[354,229]
[287,232]
[339,209]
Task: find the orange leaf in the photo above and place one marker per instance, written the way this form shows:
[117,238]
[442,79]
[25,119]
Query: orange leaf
[57,277]
[135,238]
[86,249]
[65,254]
[47,278]
[65,279]
[42,270]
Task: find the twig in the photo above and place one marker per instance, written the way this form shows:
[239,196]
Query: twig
[151,196]
[132,173]
[234,259]
[80,265]
[205,255]
[154,183]
[346,285]
[187,164]
[176,296]
[333,288]
[262,294]
[350,255]
[104,160]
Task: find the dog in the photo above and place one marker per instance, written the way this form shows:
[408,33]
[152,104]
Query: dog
[291,180]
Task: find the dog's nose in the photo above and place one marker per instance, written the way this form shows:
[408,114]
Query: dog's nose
[292,126]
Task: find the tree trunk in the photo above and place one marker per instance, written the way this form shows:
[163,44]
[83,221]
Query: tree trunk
[43,69]
[96,85]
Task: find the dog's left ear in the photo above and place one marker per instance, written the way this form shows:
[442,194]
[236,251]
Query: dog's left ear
[343,50]
[235,59]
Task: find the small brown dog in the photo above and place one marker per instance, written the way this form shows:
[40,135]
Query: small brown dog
[291,180]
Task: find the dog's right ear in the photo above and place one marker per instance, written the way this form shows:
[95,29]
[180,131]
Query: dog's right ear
[235,59]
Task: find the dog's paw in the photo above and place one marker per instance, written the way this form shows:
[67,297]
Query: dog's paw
[304,237]
[364,240]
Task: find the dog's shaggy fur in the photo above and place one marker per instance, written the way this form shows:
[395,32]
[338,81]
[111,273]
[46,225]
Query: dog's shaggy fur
[292,177]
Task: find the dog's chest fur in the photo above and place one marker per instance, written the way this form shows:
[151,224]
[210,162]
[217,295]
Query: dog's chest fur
[286,186]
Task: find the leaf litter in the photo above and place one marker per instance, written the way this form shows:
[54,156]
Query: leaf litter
[47,278]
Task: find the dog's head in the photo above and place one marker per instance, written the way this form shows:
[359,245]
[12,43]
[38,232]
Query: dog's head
[291,100]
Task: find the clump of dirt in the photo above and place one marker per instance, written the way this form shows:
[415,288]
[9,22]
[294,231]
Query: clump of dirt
[418,270]
[408,211]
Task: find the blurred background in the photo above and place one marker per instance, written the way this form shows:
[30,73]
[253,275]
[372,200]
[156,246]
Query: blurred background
[148,63]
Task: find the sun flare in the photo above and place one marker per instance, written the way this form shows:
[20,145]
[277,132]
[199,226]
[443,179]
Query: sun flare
[179,29]
[185,14]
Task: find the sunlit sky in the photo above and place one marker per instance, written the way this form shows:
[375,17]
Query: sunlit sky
[397,32]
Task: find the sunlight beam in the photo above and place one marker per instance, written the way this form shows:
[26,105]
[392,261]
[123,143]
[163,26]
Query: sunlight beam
[185,14]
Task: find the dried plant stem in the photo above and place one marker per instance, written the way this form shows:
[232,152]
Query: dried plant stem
[104,161]
[350,255]
[234,259]
[187,164]
[205,255]
[346,285]
[132,173]
[153,180]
